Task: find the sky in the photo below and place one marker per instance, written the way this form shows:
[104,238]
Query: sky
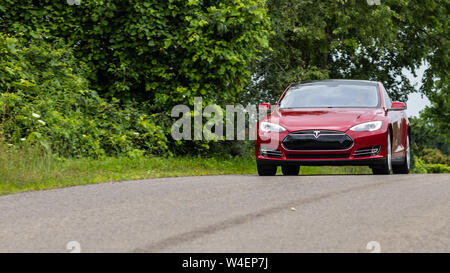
[415,104]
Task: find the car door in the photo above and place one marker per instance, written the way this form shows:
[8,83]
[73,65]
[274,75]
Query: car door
[396,120]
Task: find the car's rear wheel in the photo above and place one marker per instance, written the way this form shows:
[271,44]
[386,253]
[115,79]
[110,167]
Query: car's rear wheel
[290,169]
[266,169]
[404,168]
[386,167]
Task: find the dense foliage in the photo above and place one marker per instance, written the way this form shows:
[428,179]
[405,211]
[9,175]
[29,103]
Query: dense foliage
[422,167]
[425,134]
[351,39]
[159,53]
[99,78]
[439,111]
[45,99]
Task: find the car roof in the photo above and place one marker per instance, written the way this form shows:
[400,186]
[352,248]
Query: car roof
[335,81]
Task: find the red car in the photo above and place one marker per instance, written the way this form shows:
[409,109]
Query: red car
[334,122]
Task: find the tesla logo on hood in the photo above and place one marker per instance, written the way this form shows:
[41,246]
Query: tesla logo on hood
[316,134]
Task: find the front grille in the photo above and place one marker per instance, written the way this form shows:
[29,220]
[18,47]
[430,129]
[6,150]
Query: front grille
[322,132]
[317,140]
[316,156]
[367,151]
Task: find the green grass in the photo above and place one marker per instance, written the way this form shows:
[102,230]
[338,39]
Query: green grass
[27,168]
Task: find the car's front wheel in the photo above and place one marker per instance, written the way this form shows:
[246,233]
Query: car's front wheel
[386,167]
[266,169]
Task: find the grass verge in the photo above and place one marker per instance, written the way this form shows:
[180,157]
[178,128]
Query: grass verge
[28,168]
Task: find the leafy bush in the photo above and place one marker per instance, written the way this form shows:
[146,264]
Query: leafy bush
[425,134]
[45,99]
[435,156]
[437,168]
[422,167]
[419,166]
[158,52]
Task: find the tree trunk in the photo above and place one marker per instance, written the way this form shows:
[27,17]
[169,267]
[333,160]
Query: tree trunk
[324,61]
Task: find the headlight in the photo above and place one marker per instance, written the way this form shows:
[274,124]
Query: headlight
[271,127]
[367,126]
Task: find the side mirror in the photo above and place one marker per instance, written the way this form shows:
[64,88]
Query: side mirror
[264,106]
[397,105]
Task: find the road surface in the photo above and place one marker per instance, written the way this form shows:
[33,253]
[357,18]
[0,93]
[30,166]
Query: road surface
[233,213]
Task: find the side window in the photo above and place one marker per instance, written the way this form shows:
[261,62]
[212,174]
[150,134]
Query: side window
[387,100]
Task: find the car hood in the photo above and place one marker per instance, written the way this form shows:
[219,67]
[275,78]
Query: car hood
[339,119]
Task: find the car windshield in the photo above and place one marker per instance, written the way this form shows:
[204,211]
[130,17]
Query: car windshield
[331,94]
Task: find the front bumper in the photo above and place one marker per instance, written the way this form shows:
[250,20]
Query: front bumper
[350,156]
[323,162]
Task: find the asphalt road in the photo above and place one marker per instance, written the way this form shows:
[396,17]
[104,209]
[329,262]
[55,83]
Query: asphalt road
[401,213]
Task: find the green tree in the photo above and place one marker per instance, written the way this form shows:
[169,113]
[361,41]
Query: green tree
[159,53]
[439,111]
[45,100]
[354,40]
[426,135]
[429,32]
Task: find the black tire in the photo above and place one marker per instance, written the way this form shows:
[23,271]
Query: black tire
[406,164]
[386,167]
[266,169]
[290,169]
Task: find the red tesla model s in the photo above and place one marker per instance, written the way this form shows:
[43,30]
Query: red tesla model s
[334,122]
